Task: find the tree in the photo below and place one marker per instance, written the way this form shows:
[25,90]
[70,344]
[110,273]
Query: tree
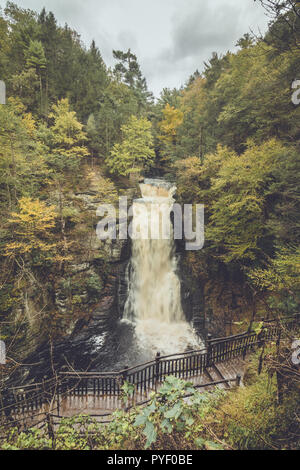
[67,137]
[237,229]
[192,134]
[92,134]
[31,228]
[129,71]
[172,119]
[49,37]
[23,167]
[168,96]
[116,105]
[284,27]
[35,59]
[136,152]
[40,55]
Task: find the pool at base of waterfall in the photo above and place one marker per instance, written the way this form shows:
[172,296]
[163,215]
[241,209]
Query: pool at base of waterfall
[133,343]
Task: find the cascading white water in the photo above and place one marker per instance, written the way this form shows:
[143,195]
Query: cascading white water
[154,299]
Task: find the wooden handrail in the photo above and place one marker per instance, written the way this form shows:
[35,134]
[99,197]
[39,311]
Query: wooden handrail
[33,386]
[232,337]
[144,376]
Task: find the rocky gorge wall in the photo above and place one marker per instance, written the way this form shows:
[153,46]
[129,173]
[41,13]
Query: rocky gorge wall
[68,314]
[221,304]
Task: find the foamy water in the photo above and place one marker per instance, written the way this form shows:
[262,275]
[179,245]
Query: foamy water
[166,338]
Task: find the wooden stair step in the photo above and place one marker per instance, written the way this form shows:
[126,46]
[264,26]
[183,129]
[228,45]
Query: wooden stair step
[231,370]
[207,379]
[216,376]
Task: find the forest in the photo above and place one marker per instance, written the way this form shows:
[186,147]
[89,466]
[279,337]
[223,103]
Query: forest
[75,133]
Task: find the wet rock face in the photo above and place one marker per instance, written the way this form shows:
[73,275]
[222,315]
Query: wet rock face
[216,306]
[192,298]
[89,342]
[83,284]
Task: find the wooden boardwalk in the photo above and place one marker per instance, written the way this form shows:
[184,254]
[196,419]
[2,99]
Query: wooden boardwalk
[100,407]
[94,405]
[220,364]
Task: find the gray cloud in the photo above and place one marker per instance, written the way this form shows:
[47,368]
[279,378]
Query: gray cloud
[197,31]
[172,38]
[203,29]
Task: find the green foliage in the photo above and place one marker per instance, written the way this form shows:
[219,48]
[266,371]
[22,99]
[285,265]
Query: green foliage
[251,418]
[128,391]
[35,56]
[34,439]
[252,212]
[94,286]
[136,152]
[67,138]
[22,155]
[128,70]
[283,273]
[63,67]
[44,160]
[31,229]
[257,327]
[166,411]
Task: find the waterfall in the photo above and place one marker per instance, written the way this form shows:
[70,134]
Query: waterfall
[154,298]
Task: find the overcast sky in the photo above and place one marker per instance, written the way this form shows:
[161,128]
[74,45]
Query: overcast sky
[172,38]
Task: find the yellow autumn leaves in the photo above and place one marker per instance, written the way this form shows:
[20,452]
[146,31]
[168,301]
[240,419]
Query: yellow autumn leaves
[31,228]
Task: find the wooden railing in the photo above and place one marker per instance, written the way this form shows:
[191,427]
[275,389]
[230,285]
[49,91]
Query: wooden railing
[185,365]
[18,401]
[51,417]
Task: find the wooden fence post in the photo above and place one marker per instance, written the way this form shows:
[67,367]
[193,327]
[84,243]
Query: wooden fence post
[50,429]
[57,395]
[238,380]
[209,350]
[123,380]
[278,340]
[157,359]
[261,335]
[245,350]
[261,358]
[124,374]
